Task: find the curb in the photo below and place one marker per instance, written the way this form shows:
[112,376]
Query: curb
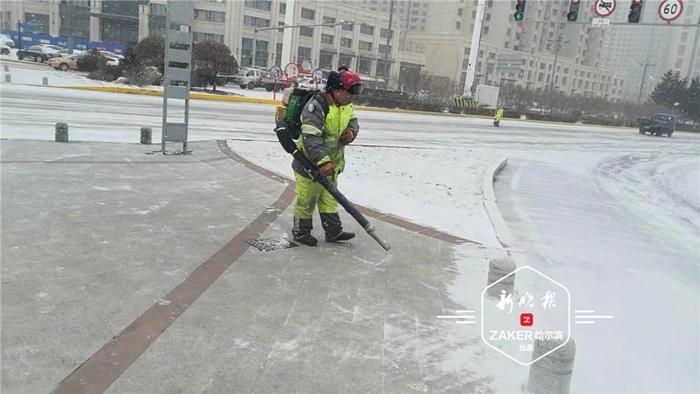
[503,234]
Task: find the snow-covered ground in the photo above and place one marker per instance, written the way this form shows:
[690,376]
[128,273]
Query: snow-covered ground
[27,73]
[573,185]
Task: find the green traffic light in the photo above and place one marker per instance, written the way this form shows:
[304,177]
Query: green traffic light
[518,16]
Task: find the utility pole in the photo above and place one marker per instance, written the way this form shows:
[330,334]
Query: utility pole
[287,35]
[474,50]
[644,78]
[389,38]
[69,22]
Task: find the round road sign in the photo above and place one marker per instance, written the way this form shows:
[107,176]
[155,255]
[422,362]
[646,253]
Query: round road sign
[292,70]
[276,73]
[670,10]
[604,8]
[317,74]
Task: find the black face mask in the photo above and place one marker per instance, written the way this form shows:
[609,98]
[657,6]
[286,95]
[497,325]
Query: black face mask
[355,89]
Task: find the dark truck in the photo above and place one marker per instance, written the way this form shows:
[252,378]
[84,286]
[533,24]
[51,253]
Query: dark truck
[659,124]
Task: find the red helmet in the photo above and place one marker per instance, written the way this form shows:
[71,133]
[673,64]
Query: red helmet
[351,82]
[344,79]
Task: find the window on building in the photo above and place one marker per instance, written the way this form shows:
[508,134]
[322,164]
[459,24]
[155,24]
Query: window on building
[308,14]
[259,4]
[386,33]
[346,42]
[327,39]
[306,31]
[540,77]
[254,21]
[460,11]
[328,20]
[383,68]
[345,59]
[458,25]
[365,66]
[384,49]
[303,53]
[261,53]
[348,26]
[201,37]
[40,22]
[78,14]
[366,29]
[209,16]
[325,59]
[365,46]
[246,51]
[283,8]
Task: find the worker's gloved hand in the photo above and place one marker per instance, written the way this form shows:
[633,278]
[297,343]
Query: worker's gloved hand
[326,168]
[347,137]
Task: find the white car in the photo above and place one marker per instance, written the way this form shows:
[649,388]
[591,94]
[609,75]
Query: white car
[6,41]
[112,55]
[310,83]
[4,49]
[55,49]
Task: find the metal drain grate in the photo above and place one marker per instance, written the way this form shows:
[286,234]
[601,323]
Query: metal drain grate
[268,244]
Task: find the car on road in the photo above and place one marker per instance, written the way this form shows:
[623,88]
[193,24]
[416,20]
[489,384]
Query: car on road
[65,63]
[37,53]
[248,78]
[659,124]
[4,49]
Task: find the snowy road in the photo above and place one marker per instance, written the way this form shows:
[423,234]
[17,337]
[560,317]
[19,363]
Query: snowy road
[621,231]
[610,213]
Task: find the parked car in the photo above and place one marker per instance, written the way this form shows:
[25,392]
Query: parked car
[112,55]
[65,63]
[659,124]
[277,86]
[5,40]
[310,83]
[4,49]
[55,49]
[248,78]
[37,53]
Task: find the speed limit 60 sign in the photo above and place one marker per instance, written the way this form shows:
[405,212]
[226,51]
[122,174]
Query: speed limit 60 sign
[670,10]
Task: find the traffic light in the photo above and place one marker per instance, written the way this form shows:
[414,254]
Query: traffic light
[573,10]
[519,10]
[635,11]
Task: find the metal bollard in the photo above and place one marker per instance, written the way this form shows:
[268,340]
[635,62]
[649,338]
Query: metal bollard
[146,135]
[61,132]
[551,374]
[498,268]
[8,78]
[45,81]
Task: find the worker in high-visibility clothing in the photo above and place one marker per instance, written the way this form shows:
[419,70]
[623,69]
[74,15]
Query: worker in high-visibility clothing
[329,124]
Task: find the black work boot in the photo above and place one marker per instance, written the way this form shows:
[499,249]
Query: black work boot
[334,228]
[302,232]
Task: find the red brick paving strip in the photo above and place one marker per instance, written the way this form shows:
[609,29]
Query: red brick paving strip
[104,367]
